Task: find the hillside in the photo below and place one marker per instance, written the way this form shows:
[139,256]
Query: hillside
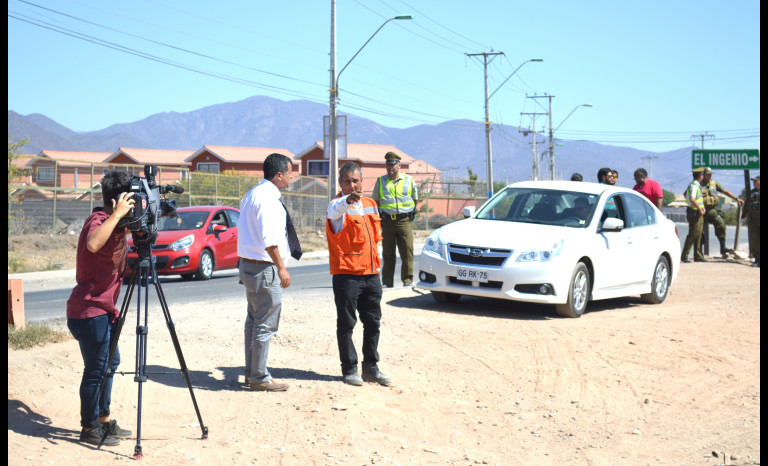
[261,121]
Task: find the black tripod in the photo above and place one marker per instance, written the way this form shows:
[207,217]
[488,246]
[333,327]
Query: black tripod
[146,271]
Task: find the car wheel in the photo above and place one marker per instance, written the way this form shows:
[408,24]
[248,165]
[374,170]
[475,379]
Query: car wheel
[659,283]
[205,266]
[442,297]
[578,293]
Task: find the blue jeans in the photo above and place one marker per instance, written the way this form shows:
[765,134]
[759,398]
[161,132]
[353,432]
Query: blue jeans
[94,336]
[265,300]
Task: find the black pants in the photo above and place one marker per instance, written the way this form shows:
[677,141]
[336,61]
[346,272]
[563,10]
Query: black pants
[361,293]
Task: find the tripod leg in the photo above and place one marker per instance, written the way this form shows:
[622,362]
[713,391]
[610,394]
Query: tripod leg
[177,347]
[118,329]
[141,346]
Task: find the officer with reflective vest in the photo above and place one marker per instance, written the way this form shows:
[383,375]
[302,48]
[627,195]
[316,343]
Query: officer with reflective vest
[752,212]
[695,216]
[713,214]
[396,196]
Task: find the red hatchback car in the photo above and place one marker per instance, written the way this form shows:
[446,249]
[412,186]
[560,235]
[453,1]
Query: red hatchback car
[194,244]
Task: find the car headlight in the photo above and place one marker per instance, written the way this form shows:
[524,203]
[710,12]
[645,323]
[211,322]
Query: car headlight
[182,243]
[542,254]
[433,244]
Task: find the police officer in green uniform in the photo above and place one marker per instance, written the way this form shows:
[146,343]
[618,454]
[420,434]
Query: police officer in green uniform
[714,215]
[753,214]
[695,216]
[396,195]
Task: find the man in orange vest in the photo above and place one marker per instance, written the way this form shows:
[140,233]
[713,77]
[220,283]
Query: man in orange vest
[353,231]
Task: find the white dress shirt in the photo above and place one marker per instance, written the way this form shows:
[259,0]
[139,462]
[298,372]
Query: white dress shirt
[262,223]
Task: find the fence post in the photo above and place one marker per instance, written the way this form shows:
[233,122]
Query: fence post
[16,303]
[55,193]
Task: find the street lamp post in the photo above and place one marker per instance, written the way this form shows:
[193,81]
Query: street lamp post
[488,161]
[333,158]
[552,139]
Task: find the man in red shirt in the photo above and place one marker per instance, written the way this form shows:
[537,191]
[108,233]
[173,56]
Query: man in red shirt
[91,309]
[648,187]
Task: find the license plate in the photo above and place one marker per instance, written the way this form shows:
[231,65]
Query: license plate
[472,275]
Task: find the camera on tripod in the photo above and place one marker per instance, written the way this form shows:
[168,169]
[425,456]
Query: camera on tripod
[143,218]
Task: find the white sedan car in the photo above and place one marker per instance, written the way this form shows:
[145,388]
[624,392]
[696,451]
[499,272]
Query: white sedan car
[554,242]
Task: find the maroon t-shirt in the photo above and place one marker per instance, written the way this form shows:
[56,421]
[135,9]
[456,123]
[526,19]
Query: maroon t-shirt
[99,274]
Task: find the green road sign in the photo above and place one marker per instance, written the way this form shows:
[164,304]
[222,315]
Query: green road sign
[727,159]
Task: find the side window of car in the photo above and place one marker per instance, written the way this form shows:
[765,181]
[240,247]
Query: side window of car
[637,214]
[612,209]
[234,216]
[219,219]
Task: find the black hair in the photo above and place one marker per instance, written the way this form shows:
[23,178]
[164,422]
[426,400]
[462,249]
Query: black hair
[113,184]
[602,172]
[349,167]
[274,164]
[576,177]
[642,172]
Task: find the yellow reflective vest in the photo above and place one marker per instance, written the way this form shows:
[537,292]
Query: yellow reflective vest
[396,196]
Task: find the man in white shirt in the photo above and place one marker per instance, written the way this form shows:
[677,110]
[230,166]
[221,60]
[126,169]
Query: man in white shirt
[262,245]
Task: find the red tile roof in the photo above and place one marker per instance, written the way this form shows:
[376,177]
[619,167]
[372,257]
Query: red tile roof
[240,154]
[153,156]
[71,158]
[371,153]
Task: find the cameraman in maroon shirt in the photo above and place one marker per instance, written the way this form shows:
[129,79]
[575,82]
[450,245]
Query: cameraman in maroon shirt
[91,308]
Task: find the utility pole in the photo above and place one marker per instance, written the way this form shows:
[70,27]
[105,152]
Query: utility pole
[704,136]
[551,135]
[650,164]
[534,175]
[488,163]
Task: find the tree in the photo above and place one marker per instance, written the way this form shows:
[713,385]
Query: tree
[14,172]
[668,198]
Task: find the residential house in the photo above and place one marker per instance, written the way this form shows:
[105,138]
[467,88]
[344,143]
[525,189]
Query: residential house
[245,160]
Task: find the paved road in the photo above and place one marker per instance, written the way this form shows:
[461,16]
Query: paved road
[45,296]
[46,293]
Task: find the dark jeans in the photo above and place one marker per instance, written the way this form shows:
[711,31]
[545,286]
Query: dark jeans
[361,293]
[94,336]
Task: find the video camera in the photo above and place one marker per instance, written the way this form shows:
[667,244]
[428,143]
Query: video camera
[143,218]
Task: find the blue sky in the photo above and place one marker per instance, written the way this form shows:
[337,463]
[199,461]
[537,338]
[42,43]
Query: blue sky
[655,72]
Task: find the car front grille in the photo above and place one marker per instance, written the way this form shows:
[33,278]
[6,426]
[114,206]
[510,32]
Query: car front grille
[471,255]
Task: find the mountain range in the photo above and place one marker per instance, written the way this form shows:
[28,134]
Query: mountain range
[259,121]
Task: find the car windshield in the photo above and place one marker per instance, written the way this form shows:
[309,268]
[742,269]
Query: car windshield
[545,206]
[185,221]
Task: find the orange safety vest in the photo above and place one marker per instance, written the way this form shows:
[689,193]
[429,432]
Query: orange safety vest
[354,249]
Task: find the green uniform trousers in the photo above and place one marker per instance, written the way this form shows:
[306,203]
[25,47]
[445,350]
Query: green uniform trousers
[695,229]
[715,217]
[754,237]
[396,233]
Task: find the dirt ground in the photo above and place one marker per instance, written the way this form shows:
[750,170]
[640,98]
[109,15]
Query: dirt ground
[478,382]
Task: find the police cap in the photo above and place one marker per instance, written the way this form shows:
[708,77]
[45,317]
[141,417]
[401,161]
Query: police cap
[391,157]
[757,178]
[699,170]
[707,171]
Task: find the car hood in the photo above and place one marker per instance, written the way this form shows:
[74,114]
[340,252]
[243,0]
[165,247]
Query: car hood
[503,235]
[167,237]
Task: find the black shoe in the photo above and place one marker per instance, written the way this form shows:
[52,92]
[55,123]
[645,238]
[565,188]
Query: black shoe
[98,436]
[353,379]
[373,374]
[685,260]
[700,260]
[115,430]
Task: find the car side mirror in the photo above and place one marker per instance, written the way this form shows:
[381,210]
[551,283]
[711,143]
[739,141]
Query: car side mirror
[469,211]
[612,224]
[218,228]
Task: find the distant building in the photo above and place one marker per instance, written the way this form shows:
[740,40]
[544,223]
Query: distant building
[245,160]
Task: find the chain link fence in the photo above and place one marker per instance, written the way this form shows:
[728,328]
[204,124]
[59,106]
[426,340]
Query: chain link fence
[57,198]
